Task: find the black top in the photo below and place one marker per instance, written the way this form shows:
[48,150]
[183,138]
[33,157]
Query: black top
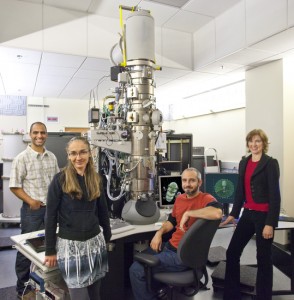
[78,219]
[264,185]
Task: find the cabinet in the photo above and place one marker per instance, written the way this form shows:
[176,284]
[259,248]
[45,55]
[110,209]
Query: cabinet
[179,152]
[13,144]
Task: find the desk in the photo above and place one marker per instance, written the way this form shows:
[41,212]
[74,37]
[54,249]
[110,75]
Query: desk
[284,260]
[119,259]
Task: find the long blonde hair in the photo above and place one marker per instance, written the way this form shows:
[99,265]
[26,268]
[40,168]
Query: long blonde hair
[70,184]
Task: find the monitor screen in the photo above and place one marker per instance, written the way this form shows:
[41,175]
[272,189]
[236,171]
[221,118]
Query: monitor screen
[56,142]
[222,186]
[169,186]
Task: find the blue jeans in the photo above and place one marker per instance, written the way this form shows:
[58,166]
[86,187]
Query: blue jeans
[31,220]
[169,263]
[250,222]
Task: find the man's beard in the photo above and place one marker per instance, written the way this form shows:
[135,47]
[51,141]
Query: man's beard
[191,192]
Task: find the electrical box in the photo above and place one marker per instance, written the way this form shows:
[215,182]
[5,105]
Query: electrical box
[114,71]
[93,115]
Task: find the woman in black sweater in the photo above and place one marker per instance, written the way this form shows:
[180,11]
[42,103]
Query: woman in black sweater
[258,193]
[77,203]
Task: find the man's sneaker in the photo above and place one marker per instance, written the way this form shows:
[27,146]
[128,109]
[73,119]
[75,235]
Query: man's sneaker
[162,294]
[30,295]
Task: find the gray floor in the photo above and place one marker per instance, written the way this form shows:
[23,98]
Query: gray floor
[222,238]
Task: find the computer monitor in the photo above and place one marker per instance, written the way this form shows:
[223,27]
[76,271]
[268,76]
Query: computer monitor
[56,142]
[169,186]
[222,186]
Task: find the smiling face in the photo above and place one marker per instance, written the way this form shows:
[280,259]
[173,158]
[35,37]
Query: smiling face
[38,135]
[190,183]
[79,155]
[255,145]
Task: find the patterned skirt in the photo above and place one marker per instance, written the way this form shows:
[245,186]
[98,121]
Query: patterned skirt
[82,263]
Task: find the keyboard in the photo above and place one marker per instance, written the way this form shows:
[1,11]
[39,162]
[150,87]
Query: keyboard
[286,219]
[119,226]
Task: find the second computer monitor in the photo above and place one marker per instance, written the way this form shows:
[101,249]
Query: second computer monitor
[169,186]
[222,186]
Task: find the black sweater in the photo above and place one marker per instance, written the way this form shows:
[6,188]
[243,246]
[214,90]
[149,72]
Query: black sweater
[78,219]
[264,184]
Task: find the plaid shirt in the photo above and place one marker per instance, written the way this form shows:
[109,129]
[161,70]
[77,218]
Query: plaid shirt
[33,172]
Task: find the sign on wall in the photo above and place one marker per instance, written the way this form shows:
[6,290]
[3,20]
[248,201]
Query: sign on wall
[52,119]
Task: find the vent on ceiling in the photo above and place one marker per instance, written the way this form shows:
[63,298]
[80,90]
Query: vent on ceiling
[37,105]
[175,3]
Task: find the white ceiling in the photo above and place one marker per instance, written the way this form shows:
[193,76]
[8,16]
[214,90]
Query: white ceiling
[43,74]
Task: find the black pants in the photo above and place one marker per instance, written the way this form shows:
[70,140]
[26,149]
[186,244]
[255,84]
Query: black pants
[251,222]
[91,292]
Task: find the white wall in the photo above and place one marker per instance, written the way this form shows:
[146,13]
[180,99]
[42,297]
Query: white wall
[264,103]
[223,131]
[270,92]
[70,112]
[288,142]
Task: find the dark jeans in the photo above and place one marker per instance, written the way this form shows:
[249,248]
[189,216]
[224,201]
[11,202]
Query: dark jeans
[251,222]
[169,262]
[31,220]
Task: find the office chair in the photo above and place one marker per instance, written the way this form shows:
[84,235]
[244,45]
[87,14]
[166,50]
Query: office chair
[193,252]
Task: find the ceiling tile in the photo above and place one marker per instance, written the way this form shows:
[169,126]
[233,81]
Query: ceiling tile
[19,78]
[70,4]
[96,64]
[50,85]
[79,87]
[111,8]
[220,67]
[246,56]
[277,43]
[91,74]
[160,13]
[187,21]
[15,55]
[210,8]
[172,73]
[2,90]
[56,71]
[175,3]
[62,60]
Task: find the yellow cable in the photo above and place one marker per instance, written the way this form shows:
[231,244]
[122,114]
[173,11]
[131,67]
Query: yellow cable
[124,63]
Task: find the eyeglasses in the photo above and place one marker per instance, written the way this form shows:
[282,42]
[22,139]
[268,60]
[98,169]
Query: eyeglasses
[82,153]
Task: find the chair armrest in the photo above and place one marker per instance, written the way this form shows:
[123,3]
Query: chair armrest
[147,259]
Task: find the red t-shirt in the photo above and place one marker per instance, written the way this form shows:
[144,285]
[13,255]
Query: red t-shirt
[183,204]
[250,204]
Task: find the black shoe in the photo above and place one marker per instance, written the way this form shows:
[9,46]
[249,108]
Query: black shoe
[162,294]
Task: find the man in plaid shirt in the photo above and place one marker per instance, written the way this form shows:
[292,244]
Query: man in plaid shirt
[31,173]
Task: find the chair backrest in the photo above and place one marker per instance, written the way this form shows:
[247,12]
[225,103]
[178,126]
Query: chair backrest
[194,246]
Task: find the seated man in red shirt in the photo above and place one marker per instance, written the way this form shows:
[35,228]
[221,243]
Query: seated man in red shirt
[188,207]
